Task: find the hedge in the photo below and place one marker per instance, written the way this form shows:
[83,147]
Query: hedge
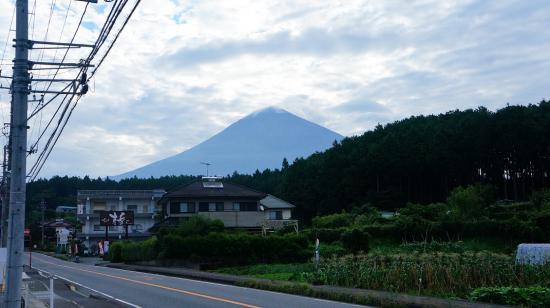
[248,248]
[245,248]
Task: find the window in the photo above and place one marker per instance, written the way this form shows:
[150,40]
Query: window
[137,228]
[131,207]
[102,228]
[182,207]
[174,208]
[276,215]
[203,207]
[228,207]
[99,206]
[210,206]
[248,207]
[187,207]
[236,206]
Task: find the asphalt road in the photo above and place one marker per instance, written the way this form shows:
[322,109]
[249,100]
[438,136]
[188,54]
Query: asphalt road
[151,290]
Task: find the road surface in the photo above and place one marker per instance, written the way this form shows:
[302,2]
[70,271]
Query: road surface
[150,290]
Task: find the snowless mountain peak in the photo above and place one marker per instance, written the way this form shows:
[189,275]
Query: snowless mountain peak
[268,110]
[258,141]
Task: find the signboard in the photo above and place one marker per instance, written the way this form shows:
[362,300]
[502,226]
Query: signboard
[116,218]
[63,237]
[27,232]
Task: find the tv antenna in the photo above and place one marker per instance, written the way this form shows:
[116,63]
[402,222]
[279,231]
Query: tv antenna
[207,164]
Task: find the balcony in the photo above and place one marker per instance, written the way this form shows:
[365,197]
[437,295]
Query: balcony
[272,224]
[115,194]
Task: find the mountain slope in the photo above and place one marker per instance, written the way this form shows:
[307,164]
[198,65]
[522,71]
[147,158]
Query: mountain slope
[258,141]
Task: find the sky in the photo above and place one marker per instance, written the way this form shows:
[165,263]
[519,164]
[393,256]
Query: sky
[183,70]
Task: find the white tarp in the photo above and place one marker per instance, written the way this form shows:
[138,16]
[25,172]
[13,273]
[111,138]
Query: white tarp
[536,254]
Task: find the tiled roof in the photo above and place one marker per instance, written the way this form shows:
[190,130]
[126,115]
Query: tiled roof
[229,190]
[272,202]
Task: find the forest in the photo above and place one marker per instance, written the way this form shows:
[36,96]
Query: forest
[420,160]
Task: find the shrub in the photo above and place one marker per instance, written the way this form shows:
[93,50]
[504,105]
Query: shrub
[199,225]
[324,235]
[528,297]
[470,201]
[356,240]
[331,250]
[245,248]
[332,221]
[115,252]
[541,198]
[136,251]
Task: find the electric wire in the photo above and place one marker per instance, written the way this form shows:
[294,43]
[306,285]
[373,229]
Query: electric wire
[70,105]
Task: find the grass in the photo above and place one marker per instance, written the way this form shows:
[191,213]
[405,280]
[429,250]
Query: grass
[444,269]
[436,273]
[297,272]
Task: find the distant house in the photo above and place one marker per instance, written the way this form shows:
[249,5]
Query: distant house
[91,202]
[237,206]
[66,209]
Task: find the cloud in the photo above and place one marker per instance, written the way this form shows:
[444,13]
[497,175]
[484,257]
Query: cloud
[312,41]
[183,70]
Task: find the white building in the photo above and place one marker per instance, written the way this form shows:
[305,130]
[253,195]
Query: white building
[91,202]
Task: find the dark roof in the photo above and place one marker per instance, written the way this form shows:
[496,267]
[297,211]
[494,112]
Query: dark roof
[57,224]
[272,202]
[229,190]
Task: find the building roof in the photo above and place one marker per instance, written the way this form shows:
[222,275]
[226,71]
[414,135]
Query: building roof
[58,223]
[227,190]
[272,202]
[116,194]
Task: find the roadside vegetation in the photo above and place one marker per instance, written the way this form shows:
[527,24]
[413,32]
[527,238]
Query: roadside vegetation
[441,249]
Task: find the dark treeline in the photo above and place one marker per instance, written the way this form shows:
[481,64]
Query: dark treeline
[419,159]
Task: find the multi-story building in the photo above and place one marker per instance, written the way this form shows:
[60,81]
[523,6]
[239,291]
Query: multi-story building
[235,205]
[91,202]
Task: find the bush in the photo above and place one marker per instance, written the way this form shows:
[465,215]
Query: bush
[331,250]
[134,251]
[541,198]
[115,252]
[199,225]
[527,297]
[245,248]
[324,235]
[470,201]
[356,240]
[332,221]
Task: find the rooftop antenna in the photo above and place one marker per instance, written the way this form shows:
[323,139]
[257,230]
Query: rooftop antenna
[207,164]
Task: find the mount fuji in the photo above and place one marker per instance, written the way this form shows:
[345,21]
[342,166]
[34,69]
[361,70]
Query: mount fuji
[258,141]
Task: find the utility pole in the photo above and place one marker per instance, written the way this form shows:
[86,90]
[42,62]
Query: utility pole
[18,134]
[4,189]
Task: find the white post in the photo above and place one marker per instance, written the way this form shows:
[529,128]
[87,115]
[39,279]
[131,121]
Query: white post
[51,292]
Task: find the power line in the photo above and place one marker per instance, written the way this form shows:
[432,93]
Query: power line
[7,38]
[68,108]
